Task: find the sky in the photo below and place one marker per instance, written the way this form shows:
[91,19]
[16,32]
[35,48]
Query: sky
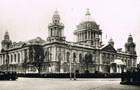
[28,19]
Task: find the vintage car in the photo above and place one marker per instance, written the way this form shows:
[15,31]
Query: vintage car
[8,75]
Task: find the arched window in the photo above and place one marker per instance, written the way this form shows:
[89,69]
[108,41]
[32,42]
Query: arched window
[80,57]
[8,59]
[11,58]
[59,57]
[68,56]
[74,57]
[15,57]
[18,58]
[50,57]
[88,58]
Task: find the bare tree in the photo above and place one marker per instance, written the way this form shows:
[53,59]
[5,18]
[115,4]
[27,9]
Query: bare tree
[37,56]
[88,60]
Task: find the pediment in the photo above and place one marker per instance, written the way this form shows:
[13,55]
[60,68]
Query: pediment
[109,48]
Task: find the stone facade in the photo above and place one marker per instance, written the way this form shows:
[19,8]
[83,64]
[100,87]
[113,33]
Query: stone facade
[56,55]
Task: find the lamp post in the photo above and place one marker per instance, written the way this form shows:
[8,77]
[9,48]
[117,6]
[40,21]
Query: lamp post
[7,59]
[70,60]
[74,70]
[13,64]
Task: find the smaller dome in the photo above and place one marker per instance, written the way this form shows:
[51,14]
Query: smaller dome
[130,38]
[6,36]
[111,40]
[56,14]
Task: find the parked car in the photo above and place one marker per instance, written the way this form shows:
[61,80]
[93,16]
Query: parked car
[8,75]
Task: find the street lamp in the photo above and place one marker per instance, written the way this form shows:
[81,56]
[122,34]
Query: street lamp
[13,64]
[7,59]
[70,60]
[74,70]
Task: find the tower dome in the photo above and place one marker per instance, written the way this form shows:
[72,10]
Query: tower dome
[6,36]
[88,22]
[56,17]
[6,43]
[111,42]
[130,38]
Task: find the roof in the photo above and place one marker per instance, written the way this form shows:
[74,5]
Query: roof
[108,48]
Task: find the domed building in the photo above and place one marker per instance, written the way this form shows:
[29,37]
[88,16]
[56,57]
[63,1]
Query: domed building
[56,55]
[88,32]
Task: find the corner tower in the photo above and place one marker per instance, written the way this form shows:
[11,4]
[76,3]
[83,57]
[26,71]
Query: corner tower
[56,29]
[6,43]
[111,42]
[88,31]
[130,45]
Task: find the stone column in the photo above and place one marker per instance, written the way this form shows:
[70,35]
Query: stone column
[62,32]
[90,35]
[100,63]
[54,54]
[52,31]
[87,35]
[77,37]
[27,54]
[16,57]
[49,32]
[132,62]
[1,60]
[9,58]
[23,56]
[80,37]
[20,57]
[83,36]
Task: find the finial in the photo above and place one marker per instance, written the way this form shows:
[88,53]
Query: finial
[6,31]
[130,35]
[56,12]
[87,13]
[111,40]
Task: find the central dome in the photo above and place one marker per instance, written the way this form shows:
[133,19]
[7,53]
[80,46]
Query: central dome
[88,22]
[87,17]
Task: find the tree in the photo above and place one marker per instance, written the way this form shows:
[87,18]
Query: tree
[37,55]
[88,60]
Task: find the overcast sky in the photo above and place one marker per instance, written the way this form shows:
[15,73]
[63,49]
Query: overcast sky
[28,19]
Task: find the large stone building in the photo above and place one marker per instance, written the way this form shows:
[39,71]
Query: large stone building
[56,55]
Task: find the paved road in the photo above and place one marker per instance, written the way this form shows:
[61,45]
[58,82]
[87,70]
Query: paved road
[65,84]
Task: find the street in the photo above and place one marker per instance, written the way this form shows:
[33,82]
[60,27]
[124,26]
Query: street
[65,84]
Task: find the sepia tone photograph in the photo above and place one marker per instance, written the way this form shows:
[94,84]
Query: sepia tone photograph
[69,45]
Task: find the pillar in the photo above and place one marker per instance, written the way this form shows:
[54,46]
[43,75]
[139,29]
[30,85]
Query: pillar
[80,36]
[9,58]
[90,35]
[62,32]
[20,57]
[87,35]
[100,63]
[16,57]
